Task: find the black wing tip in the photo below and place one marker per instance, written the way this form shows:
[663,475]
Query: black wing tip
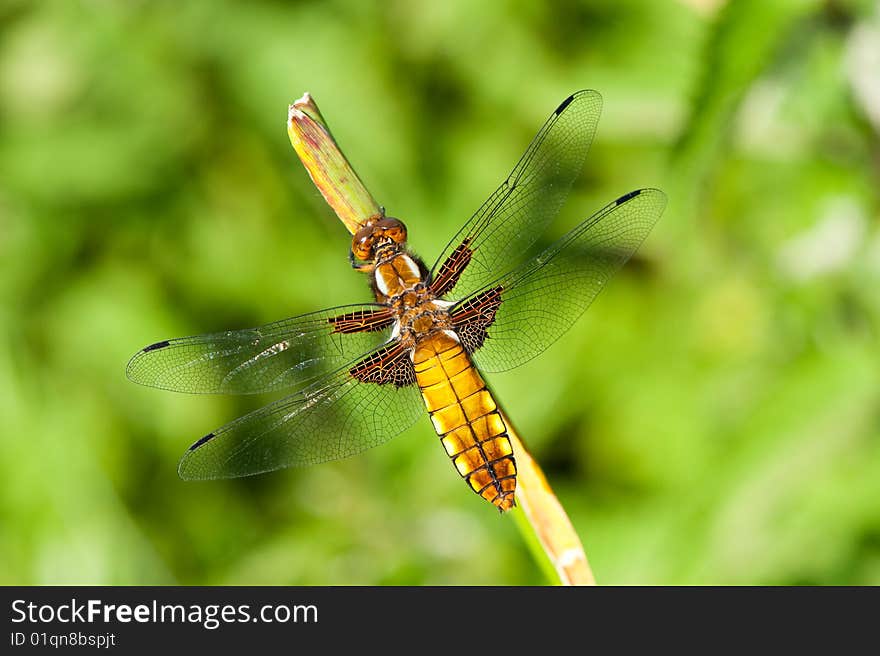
[202,440]
[565,103]
[629,196]
[639,192]
[156,346]
[577,94]
[182,466]
[131,368]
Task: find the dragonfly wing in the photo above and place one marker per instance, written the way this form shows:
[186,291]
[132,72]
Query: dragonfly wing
[279,355]
[335,417]
[513,217]
[519,315]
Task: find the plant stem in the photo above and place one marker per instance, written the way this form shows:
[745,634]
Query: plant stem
[547,521]
[328,167]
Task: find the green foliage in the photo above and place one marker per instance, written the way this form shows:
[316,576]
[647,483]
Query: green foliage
[712,419]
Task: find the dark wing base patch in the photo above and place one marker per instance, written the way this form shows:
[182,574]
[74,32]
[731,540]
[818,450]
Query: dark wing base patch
[472,318]
[388,365]
[451,269]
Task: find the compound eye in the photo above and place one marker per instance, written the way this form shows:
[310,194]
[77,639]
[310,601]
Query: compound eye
[362,244]
[398,234]
[394,229]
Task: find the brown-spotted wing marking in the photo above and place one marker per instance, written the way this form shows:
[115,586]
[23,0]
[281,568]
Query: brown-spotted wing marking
[500,233]
[389,365]
[523,312]
[279,355]
[335,417]
[472,317]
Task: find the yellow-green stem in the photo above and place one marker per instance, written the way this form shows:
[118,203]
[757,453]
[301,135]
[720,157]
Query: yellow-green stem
[547,521]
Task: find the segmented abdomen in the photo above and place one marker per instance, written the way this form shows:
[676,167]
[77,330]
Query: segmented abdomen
[466,418]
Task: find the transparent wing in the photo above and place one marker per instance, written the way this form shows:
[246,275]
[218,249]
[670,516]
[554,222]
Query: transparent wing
[276,356]
[513,217]
[336,417]
[541,299]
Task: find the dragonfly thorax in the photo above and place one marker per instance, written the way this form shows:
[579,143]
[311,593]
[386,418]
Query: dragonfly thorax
[397,276]
[420,321]
[401,283]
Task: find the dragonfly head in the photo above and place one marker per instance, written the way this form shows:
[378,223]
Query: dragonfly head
[376,235]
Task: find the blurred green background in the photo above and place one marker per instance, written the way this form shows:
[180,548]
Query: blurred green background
[714,417]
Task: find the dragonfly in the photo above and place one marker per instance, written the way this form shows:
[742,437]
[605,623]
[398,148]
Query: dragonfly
[357,375]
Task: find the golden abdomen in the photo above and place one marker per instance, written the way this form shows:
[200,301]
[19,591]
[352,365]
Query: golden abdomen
[466,418]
